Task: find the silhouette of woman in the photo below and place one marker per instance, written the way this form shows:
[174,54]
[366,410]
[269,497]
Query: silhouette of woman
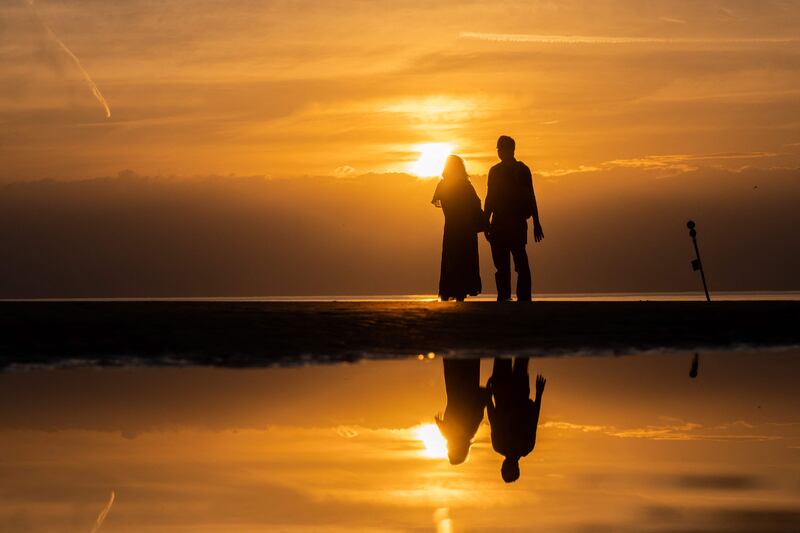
[466,400]
[463,220]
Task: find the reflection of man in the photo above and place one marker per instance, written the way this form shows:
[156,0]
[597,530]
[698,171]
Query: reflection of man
[513,416]
[510,202]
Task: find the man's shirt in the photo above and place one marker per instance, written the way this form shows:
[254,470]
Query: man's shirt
[510,200]
[514,427]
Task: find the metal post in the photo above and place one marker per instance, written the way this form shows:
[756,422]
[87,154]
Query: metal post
[695,364]
[697,264]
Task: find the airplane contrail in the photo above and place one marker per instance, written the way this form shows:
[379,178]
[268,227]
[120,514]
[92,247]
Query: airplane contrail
[585,39]
[102,516]
[92,85]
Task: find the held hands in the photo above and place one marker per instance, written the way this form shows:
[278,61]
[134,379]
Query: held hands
[487,390]
[540,382]
[487,394]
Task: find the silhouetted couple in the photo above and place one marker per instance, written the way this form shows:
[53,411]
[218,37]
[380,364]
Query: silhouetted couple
[510,202]
[513,416]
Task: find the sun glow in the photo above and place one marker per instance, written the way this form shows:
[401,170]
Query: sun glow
[433,441]
[432,157]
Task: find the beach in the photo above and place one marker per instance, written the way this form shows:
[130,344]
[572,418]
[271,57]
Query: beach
[255,334]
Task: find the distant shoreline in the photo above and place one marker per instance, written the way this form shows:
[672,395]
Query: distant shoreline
[255,334]
[724,296]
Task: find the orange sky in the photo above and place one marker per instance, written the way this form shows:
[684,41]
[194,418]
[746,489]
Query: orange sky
[623,442]
[295,88]
[634,117]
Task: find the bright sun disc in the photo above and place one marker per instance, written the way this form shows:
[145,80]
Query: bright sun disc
[435,446]
[432,157]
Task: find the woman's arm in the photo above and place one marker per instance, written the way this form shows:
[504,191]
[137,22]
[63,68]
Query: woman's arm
[437,198]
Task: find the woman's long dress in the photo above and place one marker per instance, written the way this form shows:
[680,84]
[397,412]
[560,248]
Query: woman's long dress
[463,219]
[466,400]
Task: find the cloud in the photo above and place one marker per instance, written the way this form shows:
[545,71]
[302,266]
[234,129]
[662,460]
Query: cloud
[729,482]
[378,234]
[587,39]
[679,166]
[569,171]
[201,90]
[344,171]
[683,162]
[678,430]
[77,62]
[103,513]
[692,518]
[347,432]
[583,428]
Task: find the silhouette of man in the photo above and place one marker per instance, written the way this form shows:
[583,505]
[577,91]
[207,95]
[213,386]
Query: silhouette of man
[510,201]
[513,417]
[466,400]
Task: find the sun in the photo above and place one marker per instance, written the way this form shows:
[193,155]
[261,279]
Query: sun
[432,157]
[435,446]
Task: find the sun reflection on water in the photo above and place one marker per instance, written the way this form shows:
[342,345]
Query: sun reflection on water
[435,445]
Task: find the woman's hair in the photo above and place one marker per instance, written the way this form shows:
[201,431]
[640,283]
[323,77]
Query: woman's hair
[454,168]
[510,470]
[458,449]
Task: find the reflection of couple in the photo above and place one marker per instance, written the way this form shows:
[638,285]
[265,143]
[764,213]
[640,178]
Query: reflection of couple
[510,202]
[513,416]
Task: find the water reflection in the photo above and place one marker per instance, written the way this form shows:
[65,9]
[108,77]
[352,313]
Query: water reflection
[466,400]
[513,416]
[623,444]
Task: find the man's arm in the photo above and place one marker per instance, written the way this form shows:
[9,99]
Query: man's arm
[538,234]
[498,434]
[488,204]
[537,407]
[540,383]
[491,410]
[537,403]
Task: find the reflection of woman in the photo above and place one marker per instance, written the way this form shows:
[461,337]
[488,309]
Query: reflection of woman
[465,402]
[463,220]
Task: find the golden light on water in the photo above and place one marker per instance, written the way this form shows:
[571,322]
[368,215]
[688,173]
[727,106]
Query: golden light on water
[432,157]
[441,517]
[435,445]
[241,446]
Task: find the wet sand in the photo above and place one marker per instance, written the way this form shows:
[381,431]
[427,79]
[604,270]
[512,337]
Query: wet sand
[244,334]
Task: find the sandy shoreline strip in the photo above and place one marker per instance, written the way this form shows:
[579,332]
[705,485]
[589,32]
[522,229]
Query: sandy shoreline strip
[246,334]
